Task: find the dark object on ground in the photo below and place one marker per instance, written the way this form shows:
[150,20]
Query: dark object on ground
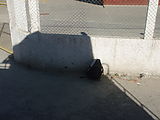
[95,70]
[141,75]
[83,77]
[95,2]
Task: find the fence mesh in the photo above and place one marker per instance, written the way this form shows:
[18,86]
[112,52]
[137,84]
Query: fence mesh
[111,18]
[122,18]
[157,27]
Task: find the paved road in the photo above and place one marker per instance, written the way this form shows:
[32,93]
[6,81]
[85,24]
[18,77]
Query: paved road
[26,94]
[74,17]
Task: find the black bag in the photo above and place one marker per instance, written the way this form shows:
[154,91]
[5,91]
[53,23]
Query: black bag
[95,70]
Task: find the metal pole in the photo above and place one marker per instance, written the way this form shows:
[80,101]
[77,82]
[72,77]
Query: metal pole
[34,15]
[151,19]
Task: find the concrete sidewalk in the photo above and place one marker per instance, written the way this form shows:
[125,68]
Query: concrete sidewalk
[145,90]
[5,37]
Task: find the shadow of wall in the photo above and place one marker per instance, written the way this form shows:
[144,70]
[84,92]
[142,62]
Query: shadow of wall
[96,2]
[28,94]
[58,52]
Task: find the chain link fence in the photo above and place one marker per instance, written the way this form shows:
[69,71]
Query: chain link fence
[151,19]
[157,27]
[110,18]
[122,18]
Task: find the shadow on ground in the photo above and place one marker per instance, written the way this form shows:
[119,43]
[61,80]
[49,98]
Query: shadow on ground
[27,94]
[96,2]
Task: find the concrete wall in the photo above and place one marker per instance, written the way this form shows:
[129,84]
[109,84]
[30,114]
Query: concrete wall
[58,52]
[74,53]
[128,55]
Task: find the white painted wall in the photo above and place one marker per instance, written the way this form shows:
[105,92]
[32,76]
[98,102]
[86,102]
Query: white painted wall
[128,55]
[151,19]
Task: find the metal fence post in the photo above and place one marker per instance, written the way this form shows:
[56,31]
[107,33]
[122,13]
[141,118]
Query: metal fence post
[18,20]
[151,19]
[34,15]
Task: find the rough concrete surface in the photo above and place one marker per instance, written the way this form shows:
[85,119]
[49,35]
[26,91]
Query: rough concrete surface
[3,14]
[145,89]
[5,37]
